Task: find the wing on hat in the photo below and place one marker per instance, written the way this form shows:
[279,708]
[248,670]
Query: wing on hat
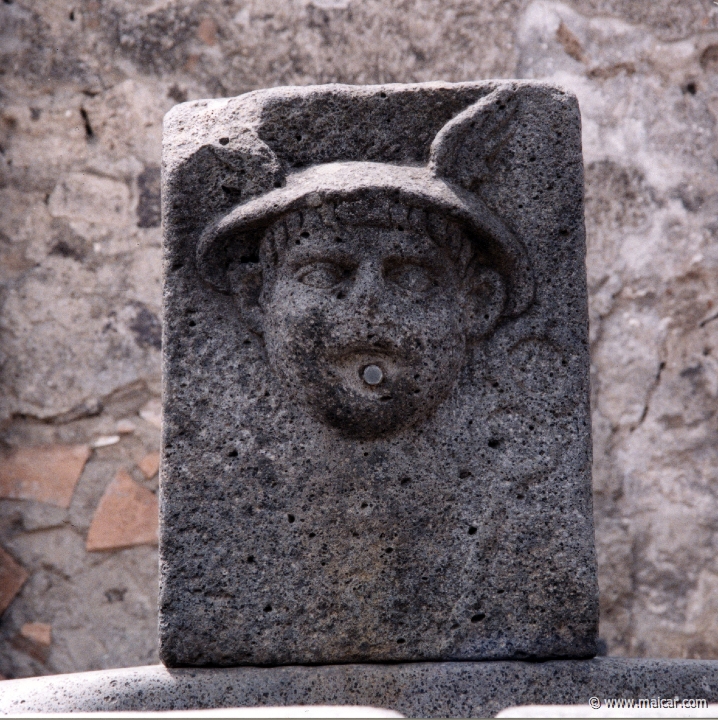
[464,147]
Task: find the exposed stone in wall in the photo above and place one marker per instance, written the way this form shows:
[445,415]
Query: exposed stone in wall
[84,87]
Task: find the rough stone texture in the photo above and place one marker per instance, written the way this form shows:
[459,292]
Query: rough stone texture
[440,510]
[466,689]
[84,90]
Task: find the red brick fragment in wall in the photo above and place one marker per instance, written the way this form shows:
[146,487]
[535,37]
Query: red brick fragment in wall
[34,639]
[207,32]
[12,578]
[47,473]
[40,633]
[150,464]
[127,515]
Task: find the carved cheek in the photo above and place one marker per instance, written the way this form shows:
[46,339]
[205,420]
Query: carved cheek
[300,329]
[438,318]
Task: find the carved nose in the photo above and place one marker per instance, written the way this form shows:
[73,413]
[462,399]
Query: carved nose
[373,375]
[368,289]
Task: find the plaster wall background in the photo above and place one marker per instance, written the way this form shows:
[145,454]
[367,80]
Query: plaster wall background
[84,86]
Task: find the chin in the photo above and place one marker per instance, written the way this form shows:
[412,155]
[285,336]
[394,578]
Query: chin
[332,389]
[369,416]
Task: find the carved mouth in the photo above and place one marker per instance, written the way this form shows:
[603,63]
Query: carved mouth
[368,370]
[379,350]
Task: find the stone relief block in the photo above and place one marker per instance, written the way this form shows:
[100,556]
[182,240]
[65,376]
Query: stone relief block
[376,440]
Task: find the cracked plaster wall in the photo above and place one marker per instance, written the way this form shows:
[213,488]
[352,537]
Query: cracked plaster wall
[85,84]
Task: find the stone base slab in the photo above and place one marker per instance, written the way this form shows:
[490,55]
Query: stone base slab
[441,689]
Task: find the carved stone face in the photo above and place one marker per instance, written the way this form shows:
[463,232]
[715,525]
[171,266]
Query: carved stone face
[366,325]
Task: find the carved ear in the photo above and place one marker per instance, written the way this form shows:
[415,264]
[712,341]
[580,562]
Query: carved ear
[463,149]
[245,279]
[486,299]
[230,263]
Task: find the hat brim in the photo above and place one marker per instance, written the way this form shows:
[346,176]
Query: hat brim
[413,186]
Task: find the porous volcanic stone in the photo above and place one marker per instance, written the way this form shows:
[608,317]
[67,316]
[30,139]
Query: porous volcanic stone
[444,689]
[433,231]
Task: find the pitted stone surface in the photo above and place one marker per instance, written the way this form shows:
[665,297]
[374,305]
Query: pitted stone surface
[446,689]
[434,233]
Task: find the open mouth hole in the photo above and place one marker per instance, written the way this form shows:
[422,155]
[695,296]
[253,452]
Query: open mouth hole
[372,375]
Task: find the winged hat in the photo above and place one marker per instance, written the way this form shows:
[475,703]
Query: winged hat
[459,162]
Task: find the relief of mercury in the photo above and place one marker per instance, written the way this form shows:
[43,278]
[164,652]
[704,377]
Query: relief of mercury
[367,281]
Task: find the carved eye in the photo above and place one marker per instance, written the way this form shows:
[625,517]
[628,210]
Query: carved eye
[321,275]
[413,278]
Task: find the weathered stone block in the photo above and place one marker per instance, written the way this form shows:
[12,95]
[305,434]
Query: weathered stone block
[376,435]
